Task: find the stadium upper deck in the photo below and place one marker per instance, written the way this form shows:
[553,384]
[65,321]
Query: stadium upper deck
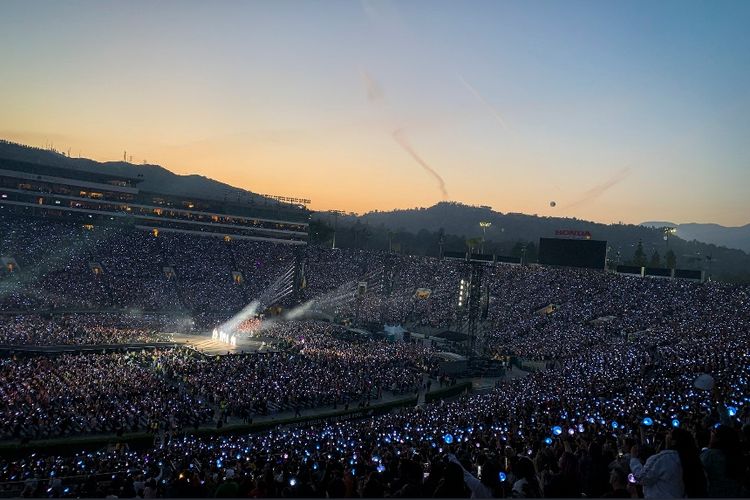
[40,190]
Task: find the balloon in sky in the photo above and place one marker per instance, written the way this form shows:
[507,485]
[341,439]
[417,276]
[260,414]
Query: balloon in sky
[552,204]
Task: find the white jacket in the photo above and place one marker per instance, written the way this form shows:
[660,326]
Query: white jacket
[478,489]
[661,476]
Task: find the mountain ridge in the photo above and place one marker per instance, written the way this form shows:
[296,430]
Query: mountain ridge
[154,178]
[710,232]
[449,218]
[419,230]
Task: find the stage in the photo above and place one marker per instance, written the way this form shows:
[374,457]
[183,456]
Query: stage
[205,344]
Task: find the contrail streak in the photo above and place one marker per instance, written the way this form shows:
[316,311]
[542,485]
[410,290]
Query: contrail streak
[484,101]
[599,189]
[400,137]
[374,90]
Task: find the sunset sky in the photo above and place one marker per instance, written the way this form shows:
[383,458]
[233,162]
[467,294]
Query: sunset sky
[617,111]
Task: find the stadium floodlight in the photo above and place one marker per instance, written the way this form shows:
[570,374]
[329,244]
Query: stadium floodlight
[463,292]
[669,231]
[484,225]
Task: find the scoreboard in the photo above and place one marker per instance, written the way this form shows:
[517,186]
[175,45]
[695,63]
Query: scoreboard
[590,254]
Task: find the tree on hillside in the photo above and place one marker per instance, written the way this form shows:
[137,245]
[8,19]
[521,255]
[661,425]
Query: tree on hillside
[639,257]
[527,251]
[671,259]
[320,232]
[473,243]
[532,254]
[454,219]
[655,260]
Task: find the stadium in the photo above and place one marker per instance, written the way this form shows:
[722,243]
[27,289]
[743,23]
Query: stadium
[159,345]
[374,249]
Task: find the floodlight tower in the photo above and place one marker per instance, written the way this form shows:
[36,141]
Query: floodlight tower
[484,225]
[300,281]
[386,286]
[470,305]
[668,231]
[475,297]
[336,214]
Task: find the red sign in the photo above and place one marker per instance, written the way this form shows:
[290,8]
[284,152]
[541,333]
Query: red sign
[574,233]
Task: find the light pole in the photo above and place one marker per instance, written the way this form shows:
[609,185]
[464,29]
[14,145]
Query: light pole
[335,214]
[484,225]
[667,232]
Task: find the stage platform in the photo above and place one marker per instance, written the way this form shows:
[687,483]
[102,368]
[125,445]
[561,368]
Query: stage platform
[210,347]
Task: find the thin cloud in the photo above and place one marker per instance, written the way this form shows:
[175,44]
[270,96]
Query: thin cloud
[383,14]
[492,109]
[400,137]
[600,189]
[374,90]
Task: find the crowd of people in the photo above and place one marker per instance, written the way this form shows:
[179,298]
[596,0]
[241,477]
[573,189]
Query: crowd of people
[606,422]
[313,365]
[316,364]
[85,329]
[618,411]
[70,394]
[68,266]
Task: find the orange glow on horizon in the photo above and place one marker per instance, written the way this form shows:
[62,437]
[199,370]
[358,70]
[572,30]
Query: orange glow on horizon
[332,184]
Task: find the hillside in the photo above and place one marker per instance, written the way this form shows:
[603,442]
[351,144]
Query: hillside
[417,231]
[155,178]
[731,237]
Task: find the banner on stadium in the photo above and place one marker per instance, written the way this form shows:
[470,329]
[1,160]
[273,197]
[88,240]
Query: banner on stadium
[573,233]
